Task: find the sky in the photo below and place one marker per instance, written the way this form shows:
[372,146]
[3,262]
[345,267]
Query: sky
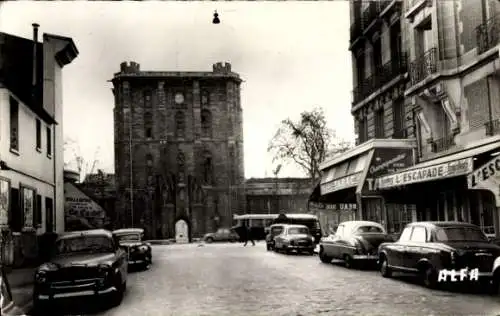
[292,56]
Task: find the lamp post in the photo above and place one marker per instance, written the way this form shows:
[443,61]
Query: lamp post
[276,172]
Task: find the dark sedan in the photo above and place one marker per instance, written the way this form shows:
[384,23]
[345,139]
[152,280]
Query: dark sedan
[82,264]
[426,248]
[353,242]
[139,252]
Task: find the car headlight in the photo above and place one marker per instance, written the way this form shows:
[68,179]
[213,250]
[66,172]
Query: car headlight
[103,269]
[41,276]
[143,248]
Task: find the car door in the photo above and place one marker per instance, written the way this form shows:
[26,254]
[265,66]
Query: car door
[396,250]
[335,246]
[414,250]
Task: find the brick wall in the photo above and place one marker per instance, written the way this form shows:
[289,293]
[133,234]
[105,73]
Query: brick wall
[164,146]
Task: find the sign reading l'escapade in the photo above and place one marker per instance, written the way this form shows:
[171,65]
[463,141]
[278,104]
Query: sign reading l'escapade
[489,170]
[440,171]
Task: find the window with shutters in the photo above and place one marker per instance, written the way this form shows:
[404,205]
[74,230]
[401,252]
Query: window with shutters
[38,135]
[27,206]
[180,124]
[50,224]
[49,141]
[14,124]
[206,123]
[38,211]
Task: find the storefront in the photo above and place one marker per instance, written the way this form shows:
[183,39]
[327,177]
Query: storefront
[449,188]
[330,215]
[350,179]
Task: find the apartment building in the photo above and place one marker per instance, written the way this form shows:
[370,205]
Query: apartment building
[447,108]
[31,141]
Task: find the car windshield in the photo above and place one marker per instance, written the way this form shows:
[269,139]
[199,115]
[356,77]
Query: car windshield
[92,244]
[298,230]
[129,237]
[460,234]
[368,229]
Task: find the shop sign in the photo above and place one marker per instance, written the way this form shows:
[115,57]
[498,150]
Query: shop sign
[333,207]
[436,172]
[339,184]
[487,177]
[385,161]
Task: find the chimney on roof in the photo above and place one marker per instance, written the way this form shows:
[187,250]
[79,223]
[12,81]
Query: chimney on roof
[35,59]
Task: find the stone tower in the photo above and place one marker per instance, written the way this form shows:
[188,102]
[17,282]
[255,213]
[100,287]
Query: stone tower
[178,150]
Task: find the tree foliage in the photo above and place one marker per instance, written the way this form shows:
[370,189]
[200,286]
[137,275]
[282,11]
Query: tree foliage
[73,158]
[306,142]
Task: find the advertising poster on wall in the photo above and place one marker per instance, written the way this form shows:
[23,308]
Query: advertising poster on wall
[386,161]
[81,212]
[4,203]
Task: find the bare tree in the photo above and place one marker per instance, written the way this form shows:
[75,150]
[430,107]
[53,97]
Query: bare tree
[306,142]
[73,156]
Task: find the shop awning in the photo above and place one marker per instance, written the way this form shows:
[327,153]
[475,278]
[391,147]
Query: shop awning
[347,174]
[457,164]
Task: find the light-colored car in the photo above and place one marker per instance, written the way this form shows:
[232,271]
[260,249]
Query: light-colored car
[274,230]
[294,238]
[353,241]
[222,234]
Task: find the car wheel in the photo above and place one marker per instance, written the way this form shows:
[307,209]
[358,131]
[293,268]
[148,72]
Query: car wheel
[385,271]
[209,240]
[117,297]
[429,276]
[324,258]
[495,284]
[348,262]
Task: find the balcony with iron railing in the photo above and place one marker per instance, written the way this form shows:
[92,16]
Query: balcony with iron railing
[444,143]
[423,66]
[382,76]
[487,34]
[492,127]
[370,13]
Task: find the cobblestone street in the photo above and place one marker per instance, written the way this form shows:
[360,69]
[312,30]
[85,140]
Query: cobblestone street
[229,279]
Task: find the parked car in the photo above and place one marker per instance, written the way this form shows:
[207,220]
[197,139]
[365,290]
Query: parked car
[353,242]
[425,248]
[222,234]
[82,264]
[294,238]
[274,230]
[7,305]
[138,251]
[309,220]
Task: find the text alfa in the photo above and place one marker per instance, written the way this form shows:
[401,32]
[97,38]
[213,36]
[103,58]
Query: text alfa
[463,274]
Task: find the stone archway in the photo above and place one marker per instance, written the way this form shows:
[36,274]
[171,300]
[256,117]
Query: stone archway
[181,231]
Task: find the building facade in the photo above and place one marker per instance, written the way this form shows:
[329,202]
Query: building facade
[181,135]
[275,195]
[444,106]
[31,141]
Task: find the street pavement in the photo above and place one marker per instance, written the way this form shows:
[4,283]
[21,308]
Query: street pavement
[229,279]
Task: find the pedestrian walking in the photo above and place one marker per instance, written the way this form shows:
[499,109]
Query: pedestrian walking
[248,236]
